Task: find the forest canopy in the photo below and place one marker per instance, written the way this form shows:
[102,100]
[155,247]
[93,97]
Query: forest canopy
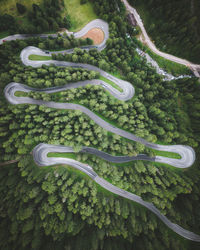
[174,26]
[58,207]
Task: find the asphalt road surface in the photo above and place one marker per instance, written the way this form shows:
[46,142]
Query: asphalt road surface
[97,23]
[127,88]
[187,153]
[40,152]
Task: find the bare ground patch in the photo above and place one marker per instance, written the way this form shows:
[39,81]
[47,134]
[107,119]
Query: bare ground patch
[96,34]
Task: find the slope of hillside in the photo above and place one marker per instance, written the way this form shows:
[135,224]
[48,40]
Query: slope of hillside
[173,25]
[9,6]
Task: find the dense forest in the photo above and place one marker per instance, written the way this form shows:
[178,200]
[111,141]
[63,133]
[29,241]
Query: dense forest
[41,18]
[58,207]
[174,26]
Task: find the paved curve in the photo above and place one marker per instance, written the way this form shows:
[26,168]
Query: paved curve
[40,156]
[187,153]
[127,89]
[40,151]
[26,52]
[97,23]
[151,45]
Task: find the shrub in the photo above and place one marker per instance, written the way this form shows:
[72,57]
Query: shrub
[21,8]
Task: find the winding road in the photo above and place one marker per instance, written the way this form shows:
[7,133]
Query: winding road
[127,89]
[40,151]
[97,23]
[187,153]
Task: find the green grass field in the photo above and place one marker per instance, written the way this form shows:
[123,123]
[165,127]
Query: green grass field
[9,6]
[111,83]
[21,94]
[4,34]
[39,58]
[167,154]
[65,155]
[80,14]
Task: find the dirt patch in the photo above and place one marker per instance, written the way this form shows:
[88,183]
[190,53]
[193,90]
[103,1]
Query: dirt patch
[62,30]
[96,34]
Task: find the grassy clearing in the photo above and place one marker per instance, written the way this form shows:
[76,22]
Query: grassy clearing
[9,6]
[39,58]
[111,83]
[117,74]
[4,34]
[21,94]
[167,154]
[80,14]
[65,155]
